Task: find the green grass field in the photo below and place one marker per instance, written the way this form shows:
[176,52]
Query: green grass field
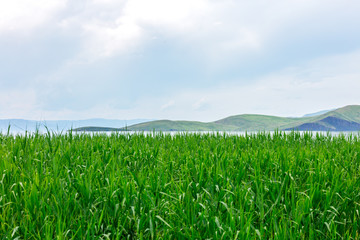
[186,186]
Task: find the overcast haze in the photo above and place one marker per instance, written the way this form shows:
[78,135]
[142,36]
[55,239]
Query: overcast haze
[187,59]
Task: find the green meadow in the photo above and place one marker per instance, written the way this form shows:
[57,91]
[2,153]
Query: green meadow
[184,186]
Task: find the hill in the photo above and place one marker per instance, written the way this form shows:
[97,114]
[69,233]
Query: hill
[22,125]
[341,119]
[244,122]
[167,125]
[317,113]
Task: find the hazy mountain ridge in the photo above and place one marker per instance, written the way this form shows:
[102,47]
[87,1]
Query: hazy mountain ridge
[342,119]
[318,113]
[19,125]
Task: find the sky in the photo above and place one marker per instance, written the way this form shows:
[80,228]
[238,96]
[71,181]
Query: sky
[177,59]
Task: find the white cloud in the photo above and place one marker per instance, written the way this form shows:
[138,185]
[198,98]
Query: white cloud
[133,23]
[200,104]
[25,15]
[324,83]
[106,40]
[212,34]
[290,92]
[167,105]
[215,29]
[174,15]
[17,103]
[125,26]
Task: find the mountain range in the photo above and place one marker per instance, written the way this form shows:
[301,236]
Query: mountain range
[21,125]
[342,119]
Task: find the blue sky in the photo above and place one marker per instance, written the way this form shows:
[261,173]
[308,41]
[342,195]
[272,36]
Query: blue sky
[177,59]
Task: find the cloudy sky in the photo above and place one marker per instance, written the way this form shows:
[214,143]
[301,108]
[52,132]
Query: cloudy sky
[177,59]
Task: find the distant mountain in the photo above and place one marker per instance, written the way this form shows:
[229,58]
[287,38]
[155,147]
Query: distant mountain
[318,113]
[329,123]
[20,125]
[244,122]
[167,125]
[342,119]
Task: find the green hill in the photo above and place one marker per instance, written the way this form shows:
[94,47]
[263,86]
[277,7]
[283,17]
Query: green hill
[167,125]
[98,129]
[342,119]
[244,122]
[253,122]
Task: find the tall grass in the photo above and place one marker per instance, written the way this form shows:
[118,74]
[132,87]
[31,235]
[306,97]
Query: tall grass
[186,186]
